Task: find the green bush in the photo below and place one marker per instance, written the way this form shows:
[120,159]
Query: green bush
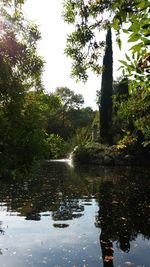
[56,146]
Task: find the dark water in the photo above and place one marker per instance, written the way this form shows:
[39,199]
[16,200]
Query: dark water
[76,217]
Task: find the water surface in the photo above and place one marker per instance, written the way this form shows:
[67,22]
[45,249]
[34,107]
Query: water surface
[76,216]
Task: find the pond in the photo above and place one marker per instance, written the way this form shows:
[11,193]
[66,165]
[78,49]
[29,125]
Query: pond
[76,217]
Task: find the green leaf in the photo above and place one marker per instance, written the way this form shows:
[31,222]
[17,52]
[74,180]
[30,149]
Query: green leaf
[125,31]
[137,47]
[115,24]
[134,28]
[146,26]
[123,62]
[134,38]
[119,43]
[143,4]
[121,67]
[146,41]
[127,57]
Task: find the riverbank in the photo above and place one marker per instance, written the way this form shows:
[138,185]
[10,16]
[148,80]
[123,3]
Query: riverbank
[103,155]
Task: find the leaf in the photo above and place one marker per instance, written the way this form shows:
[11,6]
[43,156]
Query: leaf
[134,28]
[120,67]
[134,38]
[146,41]
[127,57]
[119,43]
[108,258]
[123,62]
[145,26]
[115,24]
[147,34]
[137,47]
[125,31]
[143,4]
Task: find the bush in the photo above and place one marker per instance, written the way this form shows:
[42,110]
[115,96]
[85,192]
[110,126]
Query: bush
[56,146]
[82,155]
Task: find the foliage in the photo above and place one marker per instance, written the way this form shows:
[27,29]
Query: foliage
[120,95]
[80,117]
[56,146]
[22,132]
[82,155]
[135,116]
[70,116]
[84,46]
[34,124]
[131,115]
[23,140]
[91,17]
[12,2]
[69,99]
[135,112]
[135,16]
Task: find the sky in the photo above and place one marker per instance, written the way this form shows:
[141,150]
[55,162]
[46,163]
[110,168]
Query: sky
[48,16]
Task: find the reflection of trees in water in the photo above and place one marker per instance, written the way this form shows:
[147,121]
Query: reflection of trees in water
[123,198]
[1,230]
[123,213]
[64,191]
[69,209]
[105,221]
[56,188]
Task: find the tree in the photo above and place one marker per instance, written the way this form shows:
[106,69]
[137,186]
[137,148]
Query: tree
[70,117]
[84,45]
[70,103]
[134,113]
[106,94]
[22,134]
[120,95]
[69,99]
[90,17]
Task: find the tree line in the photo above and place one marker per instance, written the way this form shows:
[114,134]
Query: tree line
[33,124]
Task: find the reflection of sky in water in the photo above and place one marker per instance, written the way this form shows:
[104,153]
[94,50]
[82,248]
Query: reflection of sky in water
[53,241]
[38,243]
[41,244]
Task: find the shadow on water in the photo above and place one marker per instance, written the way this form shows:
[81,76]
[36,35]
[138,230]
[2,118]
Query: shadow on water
[62,193]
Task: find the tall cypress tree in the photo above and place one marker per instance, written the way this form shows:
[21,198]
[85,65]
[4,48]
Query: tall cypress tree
[106,93]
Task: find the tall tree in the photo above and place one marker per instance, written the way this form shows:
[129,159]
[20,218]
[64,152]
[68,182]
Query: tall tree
[106,93]
[84,45]
[21,132]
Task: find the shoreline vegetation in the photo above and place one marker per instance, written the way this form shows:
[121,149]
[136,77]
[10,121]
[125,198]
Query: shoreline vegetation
[103,155]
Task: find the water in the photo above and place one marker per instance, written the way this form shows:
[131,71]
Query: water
[75,217]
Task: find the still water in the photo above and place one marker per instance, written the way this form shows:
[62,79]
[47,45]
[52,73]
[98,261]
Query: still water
[76,217]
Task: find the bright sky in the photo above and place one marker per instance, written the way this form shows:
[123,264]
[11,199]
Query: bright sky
[47,15]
